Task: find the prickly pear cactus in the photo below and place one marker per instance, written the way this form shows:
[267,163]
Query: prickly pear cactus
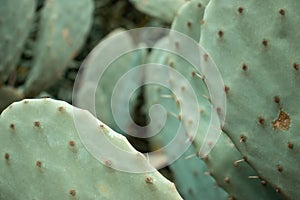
[190,174]
[59,39]
[164,10]
[102,81]
[231,172]
[15,19]
[224,162]
[255,45]
[44,158]
[192,178]
[188,18]
[194,71]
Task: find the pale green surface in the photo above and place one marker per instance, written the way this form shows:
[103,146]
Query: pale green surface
[269,73]
[162,9]
[221,158]
[63,29]
[112,46]
[242,178]
[190,175]
[64,167]
[16,18]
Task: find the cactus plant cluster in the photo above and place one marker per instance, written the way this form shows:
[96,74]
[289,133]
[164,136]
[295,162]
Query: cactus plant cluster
[253,44]
[54,26]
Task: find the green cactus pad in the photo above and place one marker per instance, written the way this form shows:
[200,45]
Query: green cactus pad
[44,158]
[231,171]
[255,45]
[163,9]
[189,17]
[62,30]
[239,181]
[15,20]
[102,81]
[190,175]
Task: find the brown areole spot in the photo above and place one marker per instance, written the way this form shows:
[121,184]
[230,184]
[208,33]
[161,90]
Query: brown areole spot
[261,120]
[6,156]
[37,124]
[72,192]
[279,168]
[149,180]
[61,108]
[220,34]
[227,180]
[264,42]
[12,126]
[226,89]
[108,163]
[290,145]
[240,10]
[296,66]
[72,143]
[282,12]
[243,138]
[276,99]
[244,67]
[38,163]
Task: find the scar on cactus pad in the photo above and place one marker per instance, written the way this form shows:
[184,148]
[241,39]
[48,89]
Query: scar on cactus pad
[282,122]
